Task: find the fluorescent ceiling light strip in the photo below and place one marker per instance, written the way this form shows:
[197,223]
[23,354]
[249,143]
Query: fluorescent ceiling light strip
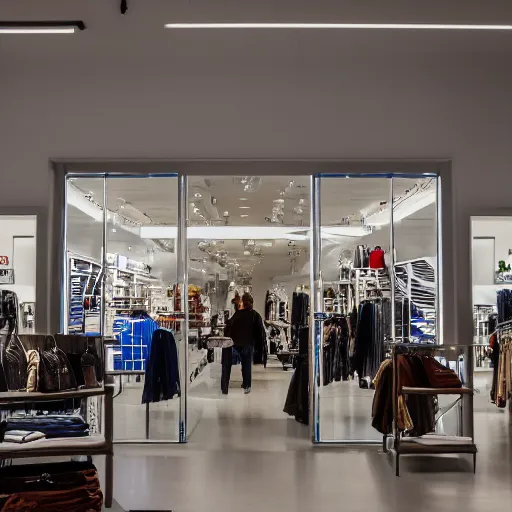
[41,27]
[48,30]
[249,232]
[379,26]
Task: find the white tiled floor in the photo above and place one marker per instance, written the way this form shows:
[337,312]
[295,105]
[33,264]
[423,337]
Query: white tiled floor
[246,455]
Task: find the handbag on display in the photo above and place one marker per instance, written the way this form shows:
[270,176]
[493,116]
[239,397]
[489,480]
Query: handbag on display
[33,371]
[439,375]
[55,372]
[88,362]
[15,364]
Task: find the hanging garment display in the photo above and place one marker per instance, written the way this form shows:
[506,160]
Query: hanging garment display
[336,363]
[373,328]
[361,257]
[297,398]
[162,380]
[376,258]
[504,299]
[134,333]
[300,316]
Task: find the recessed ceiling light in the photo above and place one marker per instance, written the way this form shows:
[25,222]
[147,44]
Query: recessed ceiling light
[243,199]
[378,26]
[198,195]
[40,27]
[244,207]
[244,215]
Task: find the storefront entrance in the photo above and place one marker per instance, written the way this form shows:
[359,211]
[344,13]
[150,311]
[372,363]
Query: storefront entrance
[339,266]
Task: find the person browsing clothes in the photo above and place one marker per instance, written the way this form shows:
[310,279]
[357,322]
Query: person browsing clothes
[246,329]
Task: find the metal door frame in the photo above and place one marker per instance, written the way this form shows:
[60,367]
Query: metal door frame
[56,229]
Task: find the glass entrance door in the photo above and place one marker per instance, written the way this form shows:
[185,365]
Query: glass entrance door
[123,284]
[375,262]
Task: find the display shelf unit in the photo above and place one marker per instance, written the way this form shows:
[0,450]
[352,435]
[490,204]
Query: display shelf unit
[61,447]
[434,444]
[84,301]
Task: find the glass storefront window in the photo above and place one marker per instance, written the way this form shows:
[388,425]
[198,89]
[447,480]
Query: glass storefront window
[17,275]
[122,284]
[167,252]
[376,285]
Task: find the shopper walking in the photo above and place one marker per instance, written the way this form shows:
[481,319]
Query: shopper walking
[246,329]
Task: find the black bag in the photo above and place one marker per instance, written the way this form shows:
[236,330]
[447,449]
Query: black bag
[55,372]
[15,364]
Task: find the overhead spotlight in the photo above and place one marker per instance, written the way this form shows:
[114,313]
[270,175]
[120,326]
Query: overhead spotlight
[198,195]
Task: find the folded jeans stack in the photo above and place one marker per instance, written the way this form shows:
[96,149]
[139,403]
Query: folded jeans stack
[67,486]
[51,426]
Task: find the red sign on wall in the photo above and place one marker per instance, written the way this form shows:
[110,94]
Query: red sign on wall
[4,260]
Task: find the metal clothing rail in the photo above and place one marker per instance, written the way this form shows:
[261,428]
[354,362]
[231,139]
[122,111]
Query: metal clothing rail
[434,444]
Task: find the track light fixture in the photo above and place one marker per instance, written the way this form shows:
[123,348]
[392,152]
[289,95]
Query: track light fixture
[124,7]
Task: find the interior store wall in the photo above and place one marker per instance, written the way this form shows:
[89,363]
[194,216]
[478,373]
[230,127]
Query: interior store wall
[21,253]
[499,228]
[106,94]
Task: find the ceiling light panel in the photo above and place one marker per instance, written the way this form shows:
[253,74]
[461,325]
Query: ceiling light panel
[41,27]
[347,26]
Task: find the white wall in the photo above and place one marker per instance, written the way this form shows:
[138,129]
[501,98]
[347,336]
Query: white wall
[499,228]
[126,88]
[22,258]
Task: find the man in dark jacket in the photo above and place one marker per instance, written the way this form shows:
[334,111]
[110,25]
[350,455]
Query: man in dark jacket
[246,329]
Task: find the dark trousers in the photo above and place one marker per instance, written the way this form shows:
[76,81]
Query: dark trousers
[245,354]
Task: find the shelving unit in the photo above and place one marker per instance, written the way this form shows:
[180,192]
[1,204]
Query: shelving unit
[60,447]
[433,444]
[84,302]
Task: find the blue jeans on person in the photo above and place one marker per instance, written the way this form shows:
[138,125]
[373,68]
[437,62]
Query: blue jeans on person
[245,354]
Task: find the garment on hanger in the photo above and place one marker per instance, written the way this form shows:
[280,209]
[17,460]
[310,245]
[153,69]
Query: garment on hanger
[134,332]
[336,363]
[300,315]
[376,259]
[373,328]
[297,398]
[361,257]
[504,300]
[416,413]
[162,380]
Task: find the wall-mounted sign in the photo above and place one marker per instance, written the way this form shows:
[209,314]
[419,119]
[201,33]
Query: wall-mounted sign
[4,260]
[7,276]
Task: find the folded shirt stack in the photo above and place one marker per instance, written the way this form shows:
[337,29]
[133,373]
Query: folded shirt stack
[51,426]
[22,436]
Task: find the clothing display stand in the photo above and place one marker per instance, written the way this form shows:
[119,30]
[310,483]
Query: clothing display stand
[62,447]
[432,444]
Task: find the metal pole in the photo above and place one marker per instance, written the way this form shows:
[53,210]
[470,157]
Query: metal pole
[103,258]
[182,279]
[392,257]
[439,265]
[315,330]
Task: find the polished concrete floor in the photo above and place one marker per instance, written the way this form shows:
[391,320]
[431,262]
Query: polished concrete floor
[246,455]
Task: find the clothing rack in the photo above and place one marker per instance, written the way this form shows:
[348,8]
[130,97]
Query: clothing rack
[501,345]
[463,442]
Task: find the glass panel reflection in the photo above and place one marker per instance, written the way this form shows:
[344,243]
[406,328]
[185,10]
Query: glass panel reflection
[356,292]
[415,237]
[139,299]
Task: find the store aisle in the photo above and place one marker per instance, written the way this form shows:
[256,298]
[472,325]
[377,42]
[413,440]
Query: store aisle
[188,479]
[246,422]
